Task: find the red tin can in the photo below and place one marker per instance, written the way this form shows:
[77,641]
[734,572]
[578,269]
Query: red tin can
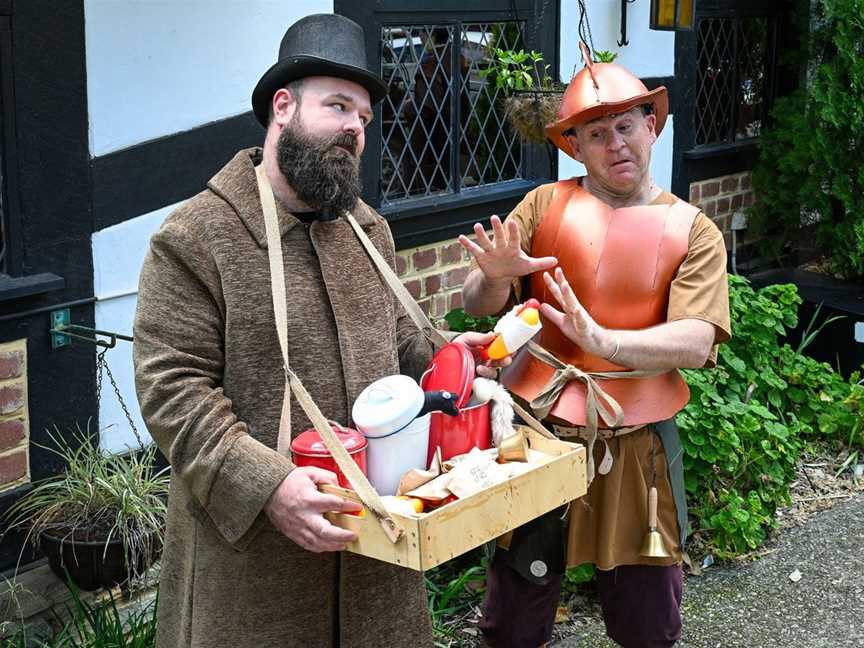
[307,449]
[452,369]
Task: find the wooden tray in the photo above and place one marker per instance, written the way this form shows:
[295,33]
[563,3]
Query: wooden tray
[442,534]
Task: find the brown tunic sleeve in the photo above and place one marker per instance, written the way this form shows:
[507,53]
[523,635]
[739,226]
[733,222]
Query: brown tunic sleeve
[700,289]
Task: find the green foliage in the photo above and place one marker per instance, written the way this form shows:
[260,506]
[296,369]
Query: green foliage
[458,320]
[749,419]
[92,625]
[99,497]
[576,576]
[605,56]
[514,70]
[101,626]
[810,165]
[450,591]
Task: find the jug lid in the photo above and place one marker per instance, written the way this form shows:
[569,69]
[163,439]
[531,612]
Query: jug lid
[387,405]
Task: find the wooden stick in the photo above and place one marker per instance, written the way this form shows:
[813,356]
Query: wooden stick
[652,508]
[824,497]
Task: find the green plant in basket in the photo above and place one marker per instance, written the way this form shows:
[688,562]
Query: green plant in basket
[605,56]
[513,70]
[101,503]
[533,97]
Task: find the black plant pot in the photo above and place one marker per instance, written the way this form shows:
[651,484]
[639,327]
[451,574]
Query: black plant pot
[89,564]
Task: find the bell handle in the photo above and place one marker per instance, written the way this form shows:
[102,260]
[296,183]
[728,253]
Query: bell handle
[652,507]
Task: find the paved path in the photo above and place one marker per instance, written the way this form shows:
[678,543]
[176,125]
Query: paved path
[757,605]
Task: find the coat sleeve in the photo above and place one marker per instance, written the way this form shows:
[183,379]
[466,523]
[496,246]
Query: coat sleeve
[179,362]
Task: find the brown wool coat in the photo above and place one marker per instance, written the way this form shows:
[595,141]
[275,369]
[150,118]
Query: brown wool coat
[209,380]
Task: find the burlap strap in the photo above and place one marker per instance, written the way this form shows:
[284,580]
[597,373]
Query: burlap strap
[598,404]
[352,472]
[532,422]
[436,337]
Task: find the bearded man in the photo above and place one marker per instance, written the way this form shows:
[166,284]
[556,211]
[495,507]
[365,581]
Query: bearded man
[639,291]
[249,558]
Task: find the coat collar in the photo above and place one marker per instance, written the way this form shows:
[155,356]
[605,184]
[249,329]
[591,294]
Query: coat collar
[235,183]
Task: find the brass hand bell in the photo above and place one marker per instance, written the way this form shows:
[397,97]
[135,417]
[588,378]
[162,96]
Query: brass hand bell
[653,547]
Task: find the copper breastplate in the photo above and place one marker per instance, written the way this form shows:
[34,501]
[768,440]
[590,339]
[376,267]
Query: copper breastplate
[620,264]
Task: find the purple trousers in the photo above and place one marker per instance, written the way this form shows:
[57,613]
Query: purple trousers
[641,605]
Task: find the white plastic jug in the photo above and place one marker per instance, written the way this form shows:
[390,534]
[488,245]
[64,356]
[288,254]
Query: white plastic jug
[393,415]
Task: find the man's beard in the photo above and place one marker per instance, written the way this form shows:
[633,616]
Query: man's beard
[322,175]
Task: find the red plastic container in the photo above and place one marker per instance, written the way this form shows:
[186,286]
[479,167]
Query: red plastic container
[452,369]
[307,449]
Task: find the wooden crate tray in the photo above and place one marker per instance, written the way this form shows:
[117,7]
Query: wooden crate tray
[437,536]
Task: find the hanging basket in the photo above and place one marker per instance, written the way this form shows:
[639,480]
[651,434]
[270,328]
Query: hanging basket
[530,111]
[101,563]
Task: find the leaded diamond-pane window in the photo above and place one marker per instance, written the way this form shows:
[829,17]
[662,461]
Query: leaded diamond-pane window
[443,126]
[733,62]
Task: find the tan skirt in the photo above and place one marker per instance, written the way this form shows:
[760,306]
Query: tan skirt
[608,525]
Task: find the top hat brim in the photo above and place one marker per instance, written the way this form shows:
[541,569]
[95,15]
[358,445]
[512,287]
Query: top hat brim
[659,97]
[297,67]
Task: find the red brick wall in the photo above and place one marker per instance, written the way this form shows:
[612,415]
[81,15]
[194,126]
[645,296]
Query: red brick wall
[434,274]
[721,197]
[14,415]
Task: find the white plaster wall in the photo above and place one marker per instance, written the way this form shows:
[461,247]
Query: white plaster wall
[649,54]
[118,253]
[157,67]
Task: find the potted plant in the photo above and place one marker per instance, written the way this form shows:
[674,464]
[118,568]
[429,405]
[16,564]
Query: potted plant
[102,519]
[532,96]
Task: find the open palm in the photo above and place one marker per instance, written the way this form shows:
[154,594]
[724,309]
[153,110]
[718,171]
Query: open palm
[503,258]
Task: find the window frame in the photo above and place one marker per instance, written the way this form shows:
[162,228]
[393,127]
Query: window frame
[416,221]
[10,208]
[14,283]
[692,162]
[736,15]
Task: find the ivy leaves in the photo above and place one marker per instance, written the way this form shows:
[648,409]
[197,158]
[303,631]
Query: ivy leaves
[460,321]
[749,419]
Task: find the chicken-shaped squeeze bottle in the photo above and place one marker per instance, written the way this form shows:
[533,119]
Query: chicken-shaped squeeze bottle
[514,329]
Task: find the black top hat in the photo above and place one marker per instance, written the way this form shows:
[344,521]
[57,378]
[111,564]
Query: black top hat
[318,45]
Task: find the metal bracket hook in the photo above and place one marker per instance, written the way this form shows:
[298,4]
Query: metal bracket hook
[62,331]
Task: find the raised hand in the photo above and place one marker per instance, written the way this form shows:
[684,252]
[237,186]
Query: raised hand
[575,322]
[503,259]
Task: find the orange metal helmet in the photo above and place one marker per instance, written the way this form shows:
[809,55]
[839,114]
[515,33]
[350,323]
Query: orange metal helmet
[601,89]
